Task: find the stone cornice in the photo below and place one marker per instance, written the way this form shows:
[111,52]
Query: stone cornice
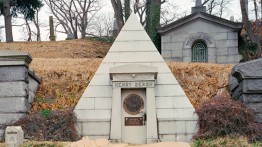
[201,15]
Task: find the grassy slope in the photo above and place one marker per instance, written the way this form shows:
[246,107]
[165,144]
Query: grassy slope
[68,66]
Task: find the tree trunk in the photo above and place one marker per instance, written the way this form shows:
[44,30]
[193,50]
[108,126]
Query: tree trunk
[29,31]
[127,9]
[8,20]
[117,6]
[254,37]
[153,8]
[36,22]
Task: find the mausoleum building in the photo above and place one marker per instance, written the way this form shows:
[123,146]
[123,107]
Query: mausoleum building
[201,37]
[133,96]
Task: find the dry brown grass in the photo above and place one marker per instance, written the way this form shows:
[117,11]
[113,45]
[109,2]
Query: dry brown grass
[202,81]
[65,79]
[68,66]
[82,48]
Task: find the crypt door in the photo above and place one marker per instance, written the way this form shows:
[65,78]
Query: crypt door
[134,116]
[199,52]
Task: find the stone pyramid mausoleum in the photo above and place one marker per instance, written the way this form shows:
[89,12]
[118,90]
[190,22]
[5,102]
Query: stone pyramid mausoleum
[133,96]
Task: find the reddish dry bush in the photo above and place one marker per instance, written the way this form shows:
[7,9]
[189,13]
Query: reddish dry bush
[222,116]
[55,125]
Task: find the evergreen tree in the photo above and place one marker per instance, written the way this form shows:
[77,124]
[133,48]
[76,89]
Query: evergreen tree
[11,8]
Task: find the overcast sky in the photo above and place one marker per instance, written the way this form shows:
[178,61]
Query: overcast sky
[184,5]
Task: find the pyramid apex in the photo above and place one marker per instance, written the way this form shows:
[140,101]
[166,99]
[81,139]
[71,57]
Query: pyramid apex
[132,23]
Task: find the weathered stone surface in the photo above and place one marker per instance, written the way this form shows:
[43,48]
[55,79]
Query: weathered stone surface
[12,57]
[14,136]
[18,85]
[13,89]
[14,104]
[13,73]
[252,86]
[252,98]
[9,118]
[259,118]
[2,134]
[257,107]
[204,28]
[233,83]
[249,69]
[246,85]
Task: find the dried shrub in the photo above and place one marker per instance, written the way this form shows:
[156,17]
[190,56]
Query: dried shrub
[223,117]
[255,132]
[58,125]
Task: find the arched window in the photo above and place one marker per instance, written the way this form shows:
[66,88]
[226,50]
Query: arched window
[199,52]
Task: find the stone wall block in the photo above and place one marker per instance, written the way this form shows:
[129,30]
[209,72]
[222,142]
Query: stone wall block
[13,89]
[177,53]
[259,118]
[252,86]
[14,104]
[232,51]
[257,107]
[232,35]
[222,51]
[166,53]
[9,118]
[33,84]
[252,98]
[18,73]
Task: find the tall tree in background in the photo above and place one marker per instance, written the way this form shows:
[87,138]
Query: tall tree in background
[127,9]
[11,8]
[119,16]
[74,15]
[151,19]
[252,30]
[153,9]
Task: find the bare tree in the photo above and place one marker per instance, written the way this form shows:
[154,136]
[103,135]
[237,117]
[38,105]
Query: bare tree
[74,15]
[252,30]
[101,25]
[37,25]
[216,7]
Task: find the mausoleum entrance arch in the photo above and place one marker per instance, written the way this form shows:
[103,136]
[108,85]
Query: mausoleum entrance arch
[199,47]
[134,104]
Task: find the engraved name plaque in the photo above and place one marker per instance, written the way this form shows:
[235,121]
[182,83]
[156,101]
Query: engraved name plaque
[133,121]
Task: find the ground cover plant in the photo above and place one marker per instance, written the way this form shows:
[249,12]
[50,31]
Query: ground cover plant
[221,117]
[51,125]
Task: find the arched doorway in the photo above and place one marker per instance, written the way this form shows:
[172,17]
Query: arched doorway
[199,52]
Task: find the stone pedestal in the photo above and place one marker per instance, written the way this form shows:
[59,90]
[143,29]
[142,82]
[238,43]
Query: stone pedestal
[246,85]
[18,85]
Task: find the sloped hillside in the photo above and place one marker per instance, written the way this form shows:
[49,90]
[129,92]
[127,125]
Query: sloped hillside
[80,48]
[68,66]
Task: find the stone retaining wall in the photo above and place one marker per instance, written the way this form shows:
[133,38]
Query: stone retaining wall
[246,85]
[18,85]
